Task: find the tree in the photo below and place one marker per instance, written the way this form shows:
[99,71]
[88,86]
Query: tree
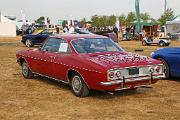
[168,15]
[131,17]
[122,19]
[145,16]
[111,20]
[40,20]
[64,23]
[83,21]
[95,20]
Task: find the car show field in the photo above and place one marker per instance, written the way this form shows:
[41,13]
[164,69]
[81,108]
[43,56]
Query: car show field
[42,98]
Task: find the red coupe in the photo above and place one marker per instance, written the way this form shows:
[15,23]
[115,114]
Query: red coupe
[89,62]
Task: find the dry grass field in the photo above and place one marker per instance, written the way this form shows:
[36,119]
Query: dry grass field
[44,99]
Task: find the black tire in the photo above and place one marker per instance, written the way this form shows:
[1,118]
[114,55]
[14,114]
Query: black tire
[26,71]
[144,43]
[167,44]
[78,86]
[28,43]
[161,43]
[166,68]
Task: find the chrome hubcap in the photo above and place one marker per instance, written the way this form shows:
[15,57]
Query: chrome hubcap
[28,43]
[25,69]
[76,84]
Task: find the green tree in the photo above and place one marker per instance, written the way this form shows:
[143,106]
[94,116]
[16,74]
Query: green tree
[131,17]
[145,16]
[168,15]
[122,19]
[111,20]
[83,21]
[40,20]
[95,20]
[64,23]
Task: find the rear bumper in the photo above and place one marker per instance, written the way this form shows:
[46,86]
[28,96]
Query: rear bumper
[149,80]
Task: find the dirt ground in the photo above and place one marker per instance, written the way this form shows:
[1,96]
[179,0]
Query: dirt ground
[44,99]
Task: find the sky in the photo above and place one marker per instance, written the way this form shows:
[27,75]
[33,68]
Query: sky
[78,9]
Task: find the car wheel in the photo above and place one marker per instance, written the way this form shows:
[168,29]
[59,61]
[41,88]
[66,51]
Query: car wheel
[167,44]
[26,71]
[78,86]
[144,43]
[29,43]
[162,43]
[166,68]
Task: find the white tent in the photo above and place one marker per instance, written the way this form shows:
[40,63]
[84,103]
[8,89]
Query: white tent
[7,27]
[173,26]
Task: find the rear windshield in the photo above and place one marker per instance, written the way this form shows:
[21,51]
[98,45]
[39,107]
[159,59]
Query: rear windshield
[93,45]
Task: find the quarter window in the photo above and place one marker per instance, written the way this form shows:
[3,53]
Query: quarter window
[56,45]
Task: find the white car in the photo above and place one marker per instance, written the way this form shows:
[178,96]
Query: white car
[156,41]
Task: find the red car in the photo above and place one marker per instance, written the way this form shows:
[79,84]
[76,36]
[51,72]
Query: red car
[89,62]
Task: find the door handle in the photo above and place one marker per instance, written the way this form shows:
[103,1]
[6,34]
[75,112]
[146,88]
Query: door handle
[52,57]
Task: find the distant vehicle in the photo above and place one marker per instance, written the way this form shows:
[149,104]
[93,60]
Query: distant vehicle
[36,39]
[157,41]
[88,62]
[170,58]
[109,34]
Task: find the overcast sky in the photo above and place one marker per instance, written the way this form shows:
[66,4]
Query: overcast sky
[78,9]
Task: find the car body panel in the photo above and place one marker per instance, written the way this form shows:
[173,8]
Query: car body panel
[172,57]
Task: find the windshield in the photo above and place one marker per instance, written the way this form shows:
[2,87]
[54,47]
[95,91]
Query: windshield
[93,45]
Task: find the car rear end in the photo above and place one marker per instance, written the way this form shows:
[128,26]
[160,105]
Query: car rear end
[133,77]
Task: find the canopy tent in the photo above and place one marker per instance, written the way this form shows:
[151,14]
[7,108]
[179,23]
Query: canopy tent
[173,26]
[7,27]
[150,22]
[176,20]
[150,26]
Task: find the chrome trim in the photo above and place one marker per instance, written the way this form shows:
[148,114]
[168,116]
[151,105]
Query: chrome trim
[51,78]
[128,80]
[124,68]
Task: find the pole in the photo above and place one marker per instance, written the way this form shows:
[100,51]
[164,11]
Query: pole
[165,6]
[138,24]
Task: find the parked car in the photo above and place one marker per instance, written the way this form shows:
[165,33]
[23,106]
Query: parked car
[170,58]
[109,34]
[89,62]
[160,41]
[35,39]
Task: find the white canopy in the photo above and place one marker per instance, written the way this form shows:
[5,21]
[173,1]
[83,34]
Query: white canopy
[4,19]
[7,27]
[175,21]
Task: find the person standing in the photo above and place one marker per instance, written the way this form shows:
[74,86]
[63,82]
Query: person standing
[71,29]
[115,30]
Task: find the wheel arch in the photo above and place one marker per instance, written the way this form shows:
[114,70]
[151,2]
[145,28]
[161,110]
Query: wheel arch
[21,60]
[71,72]
[165,59]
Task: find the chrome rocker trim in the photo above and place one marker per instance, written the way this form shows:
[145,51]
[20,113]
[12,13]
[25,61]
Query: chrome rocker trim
[66,82]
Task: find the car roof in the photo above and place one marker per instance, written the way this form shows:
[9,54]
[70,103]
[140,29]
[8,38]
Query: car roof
[70,37]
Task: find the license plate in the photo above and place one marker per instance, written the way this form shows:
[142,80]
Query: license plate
[133,71]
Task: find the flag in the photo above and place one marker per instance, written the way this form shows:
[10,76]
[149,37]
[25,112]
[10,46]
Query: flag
[23,17]
[138,24]
[118,24]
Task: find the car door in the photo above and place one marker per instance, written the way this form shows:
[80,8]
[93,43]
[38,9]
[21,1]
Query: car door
[173,59]
[62,60]
[48,54]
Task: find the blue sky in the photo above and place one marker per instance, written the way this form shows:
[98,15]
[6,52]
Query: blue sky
[78,9]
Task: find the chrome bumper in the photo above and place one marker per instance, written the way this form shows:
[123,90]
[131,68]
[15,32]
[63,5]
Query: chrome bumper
[128,80]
